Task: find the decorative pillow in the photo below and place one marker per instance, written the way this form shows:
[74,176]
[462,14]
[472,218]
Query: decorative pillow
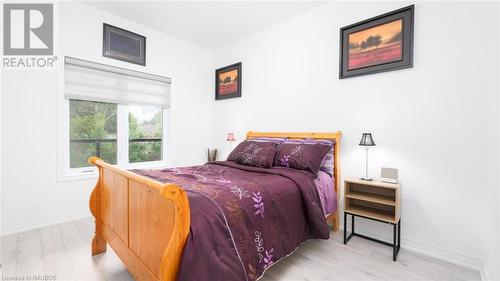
[264,139]
[327,163]
[301,156]
[252,153]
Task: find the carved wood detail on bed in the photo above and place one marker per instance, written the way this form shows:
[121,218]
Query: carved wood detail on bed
[147,223]
[144,221]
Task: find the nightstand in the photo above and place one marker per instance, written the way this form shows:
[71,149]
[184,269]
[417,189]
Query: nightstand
[374,200]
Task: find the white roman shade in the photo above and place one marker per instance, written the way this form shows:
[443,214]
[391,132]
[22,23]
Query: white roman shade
[98,82]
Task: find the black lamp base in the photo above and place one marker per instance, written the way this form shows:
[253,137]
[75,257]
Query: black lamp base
[366,179]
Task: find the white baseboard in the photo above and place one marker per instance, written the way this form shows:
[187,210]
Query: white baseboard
[446,255]
[45,221]
[442,254]
[484,274]
[436,252]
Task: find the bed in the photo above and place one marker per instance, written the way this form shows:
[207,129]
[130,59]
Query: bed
[146,217]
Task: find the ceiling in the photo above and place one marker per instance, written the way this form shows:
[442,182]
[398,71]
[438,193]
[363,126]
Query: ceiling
[206,23]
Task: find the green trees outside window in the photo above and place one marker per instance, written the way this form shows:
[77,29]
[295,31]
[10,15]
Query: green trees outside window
[93,132]
[145,128]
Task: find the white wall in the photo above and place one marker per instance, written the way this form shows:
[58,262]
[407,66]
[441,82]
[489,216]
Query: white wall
[492,225]
[29,114]
[428,121]
[492,208]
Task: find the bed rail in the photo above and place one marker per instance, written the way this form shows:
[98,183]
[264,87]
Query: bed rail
[145,222]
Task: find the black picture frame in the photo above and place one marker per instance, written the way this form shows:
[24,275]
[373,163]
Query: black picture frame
[116,41]
[406,61]
[219,95]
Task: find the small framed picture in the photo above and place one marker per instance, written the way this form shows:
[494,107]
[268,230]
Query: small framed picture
[378,44]
[121,44]
[228,82]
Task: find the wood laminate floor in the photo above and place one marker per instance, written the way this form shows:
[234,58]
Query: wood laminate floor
[63,251]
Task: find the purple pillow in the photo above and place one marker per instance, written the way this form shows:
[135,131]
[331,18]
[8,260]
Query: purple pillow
[264,139]
[252,153]
[301,156]
[327,163]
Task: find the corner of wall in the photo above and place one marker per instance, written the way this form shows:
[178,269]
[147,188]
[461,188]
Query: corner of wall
[491,247]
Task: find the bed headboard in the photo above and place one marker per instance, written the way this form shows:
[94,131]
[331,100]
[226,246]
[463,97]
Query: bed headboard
[322,136]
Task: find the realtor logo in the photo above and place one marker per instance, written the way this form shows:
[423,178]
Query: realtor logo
[28,29]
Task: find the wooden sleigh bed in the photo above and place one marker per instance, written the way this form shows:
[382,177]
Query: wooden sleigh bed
[147,222]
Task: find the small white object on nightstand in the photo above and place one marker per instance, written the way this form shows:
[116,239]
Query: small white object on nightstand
[389,175]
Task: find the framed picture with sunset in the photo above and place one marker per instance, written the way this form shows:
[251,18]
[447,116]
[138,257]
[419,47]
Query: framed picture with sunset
[378,44]
[228,82]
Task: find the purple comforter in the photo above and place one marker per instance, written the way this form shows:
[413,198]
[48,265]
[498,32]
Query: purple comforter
[243,219]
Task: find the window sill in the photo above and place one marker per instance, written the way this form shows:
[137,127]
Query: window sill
[148,165]
[91,173]
[78,176]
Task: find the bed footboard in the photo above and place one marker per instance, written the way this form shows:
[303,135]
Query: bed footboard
[145,222]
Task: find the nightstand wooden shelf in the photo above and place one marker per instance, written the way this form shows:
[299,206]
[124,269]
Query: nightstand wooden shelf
[373,200]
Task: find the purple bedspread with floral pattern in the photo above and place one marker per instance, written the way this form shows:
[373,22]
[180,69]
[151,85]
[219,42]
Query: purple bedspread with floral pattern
[243,218]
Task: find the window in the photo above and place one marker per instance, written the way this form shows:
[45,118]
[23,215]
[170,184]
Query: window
[92,132]
[145,127]
[116,114]
[95,131]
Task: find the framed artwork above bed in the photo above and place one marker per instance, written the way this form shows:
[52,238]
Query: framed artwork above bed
[228,82]
[379,44]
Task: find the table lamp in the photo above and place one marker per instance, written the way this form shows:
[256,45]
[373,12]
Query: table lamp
[366,141]
[230,138]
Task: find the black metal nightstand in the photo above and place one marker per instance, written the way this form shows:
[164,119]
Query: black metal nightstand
[376,201]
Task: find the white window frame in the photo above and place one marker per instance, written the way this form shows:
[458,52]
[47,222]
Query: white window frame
[64,172]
